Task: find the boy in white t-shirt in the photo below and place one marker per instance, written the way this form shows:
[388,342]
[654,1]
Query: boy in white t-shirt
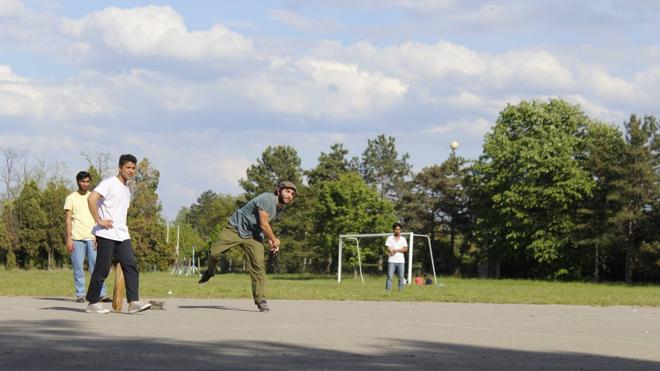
[108,204]
[396,247]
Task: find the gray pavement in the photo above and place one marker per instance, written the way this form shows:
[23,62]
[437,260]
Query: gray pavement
[55,333]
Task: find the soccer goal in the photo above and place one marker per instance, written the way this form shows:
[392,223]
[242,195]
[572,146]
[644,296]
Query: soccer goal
[410,237]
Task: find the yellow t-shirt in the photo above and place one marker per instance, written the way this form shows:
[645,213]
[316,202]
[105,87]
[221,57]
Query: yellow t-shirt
[81,218]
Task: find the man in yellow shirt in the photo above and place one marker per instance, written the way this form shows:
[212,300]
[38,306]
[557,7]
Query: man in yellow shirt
[80,241]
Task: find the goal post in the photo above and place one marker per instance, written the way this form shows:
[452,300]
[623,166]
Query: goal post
[356,237]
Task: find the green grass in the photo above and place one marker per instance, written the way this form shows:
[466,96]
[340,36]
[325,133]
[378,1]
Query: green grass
[314,287]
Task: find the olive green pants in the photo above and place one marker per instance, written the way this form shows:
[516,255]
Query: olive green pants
[254,253]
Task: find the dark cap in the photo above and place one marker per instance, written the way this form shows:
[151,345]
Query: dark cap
[287,184]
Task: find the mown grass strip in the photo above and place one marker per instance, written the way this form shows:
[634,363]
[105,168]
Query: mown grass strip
[315,287]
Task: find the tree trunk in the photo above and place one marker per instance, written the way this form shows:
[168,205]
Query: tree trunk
[629,253]
[452,242]
[597,264]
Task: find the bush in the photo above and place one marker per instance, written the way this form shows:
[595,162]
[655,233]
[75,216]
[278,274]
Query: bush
[11,260]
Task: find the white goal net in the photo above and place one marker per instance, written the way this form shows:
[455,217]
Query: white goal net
[410,236]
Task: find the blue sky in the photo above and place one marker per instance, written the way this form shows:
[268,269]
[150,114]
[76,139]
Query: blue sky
[201,88]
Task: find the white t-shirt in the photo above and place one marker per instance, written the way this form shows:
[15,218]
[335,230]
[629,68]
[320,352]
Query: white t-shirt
[393,243]
[114,206]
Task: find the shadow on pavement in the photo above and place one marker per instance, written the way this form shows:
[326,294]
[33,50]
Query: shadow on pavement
[59,344]
[68,300]
[69,309]
[217,307]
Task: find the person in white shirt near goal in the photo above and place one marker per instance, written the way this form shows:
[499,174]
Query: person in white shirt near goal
[396,247]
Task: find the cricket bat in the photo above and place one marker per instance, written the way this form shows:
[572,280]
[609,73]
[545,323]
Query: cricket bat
[120,289]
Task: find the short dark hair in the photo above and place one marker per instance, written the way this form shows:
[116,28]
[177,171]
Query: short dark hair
[397,224]
[127,158]
[82,175]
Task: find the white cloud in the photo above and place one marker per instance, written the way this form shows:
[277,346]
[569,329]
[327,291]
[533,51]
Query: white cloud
[11,8]
[538,69]
[35,144]
[154,31]
[322,88]
[597,111]
[607,86]
[414,59]
[419,5]
[230,169]
[301,22]
[474,126]
[23,97]
[424,64]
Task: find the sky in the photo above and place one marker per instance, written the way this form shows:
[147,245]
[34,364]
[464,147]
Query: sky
[201,88]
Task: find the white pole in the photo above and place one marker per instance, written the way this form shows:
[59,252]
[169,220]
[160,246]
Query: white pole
[339,260]
[410,261]
[432,260]
[167,236]
[177,242]
[357,242]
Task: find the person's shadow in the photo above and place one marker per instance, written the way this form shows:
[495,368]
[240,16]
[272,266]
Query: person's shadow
[59,299]
[79,310]
[221,307]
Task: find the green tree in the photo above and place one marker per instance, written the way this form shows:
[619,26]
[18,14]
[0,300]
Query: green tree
[276,164]
[331,165]
[5,243]
[638,188]
[604,148]
[210,210]
[188,236]
[52,202]
[348,205]
[436,203]
[526,185]
[32,222]
[95,177]
[297,225]
[294,227]
[146,225]
[382,167]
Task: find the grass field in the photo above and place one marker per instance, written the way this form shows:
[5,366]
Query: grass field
[314,287]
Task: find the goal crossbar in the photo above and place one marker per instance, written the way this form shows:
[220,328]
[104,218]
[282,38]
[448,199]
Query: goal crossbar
[357,237]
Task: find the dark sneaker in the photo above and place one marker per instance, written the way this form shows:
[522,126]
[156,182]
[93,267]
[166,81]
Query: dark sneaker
[263,306]
[80,299]
[106,299]
[208,274]
[137,306]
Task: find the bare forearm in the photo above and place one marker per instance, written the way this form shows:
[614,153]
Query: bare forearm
[69,225]
[268,231]
[92,201]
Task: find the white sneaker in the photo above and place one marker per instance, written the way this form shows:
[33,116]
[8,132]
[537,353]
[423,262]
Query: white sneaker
[97,308]
[137,306]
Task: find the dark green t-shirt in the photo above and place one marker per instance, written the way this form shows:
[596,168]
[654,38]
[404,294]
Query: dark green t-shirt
[246,219]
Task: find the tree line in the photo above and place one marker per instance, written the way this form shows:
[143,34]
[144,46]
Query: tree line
[555,194]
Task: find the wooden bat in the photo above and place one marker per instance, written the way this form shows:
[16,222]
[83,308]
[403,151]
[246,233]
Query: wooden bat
[120,289]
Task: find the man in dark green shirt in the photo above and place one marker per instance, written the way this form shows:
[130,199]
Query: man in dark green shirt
[247,228]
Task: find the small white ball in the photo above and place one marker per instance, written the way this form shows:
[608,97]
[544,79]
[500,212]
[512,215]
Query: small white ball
[454,145]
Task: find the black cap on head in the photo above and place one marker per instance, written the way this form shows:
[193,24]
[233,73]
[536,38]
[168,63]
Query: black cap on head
[287,184]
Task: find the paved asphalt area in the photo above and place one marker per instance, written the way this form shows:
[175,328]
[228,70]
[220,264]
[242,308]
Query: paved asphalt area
[52,333]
